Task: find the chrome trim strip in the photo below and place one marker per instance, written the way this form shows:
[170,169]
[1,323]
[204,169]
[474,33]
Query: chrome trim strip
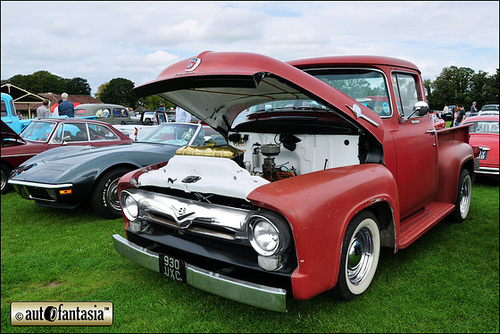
[487,170]
[262,296]
[40,185]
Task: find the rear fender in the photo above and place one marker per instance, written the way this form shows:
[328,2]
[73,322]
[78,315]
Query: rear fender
[453,155]
[319,206]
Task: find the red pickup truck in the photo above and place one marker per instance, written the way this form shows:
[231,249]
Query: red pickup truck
[330,159]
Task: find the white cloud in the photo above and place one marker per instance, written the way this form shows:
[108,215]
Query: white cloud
[100,41]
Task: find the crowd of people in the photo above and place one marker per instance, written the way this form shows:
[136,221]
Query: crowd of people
[458,113]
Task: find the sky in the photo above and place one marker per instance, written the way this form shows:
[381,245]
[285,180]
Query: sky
[102,40]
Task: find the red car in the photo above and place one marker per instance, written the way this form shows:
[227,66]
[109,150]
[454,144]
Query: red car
[484,133]
[44,134]
[439,123]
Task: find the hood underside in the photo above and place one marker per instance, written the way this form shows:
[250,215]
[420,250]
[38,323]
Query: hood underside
[217,86]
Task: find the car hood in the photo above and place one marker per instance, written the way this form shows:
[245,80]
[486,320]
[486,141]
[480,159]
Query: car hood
[55,164]
[217,86]
[7,132]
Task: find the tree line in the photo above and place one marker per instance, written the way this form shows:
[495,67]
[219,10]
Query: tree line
[454,85]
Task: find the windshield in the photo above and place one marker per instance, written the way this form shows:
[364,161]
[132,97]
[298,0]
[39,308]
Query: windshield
[171,133]
[368,87]
[38,131]
[490,107]
[484,127]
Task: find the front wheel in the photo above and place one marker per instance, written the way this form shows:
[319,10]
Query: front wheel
[464,197]
[360,254]
[5,175]
[104,197]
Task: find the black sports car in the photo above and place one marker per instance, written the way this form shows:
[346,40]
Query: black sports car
[65,177]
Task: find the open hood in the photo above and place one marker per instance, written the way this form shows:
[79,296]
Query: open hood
[7,132]
[217,86]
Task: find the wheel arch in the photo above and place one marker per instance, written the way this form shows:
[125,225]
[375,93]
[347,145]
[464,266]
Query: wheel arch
[103,172]
[453,157]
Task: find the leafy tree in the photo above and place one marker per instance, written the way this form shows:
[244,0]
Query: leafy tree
[461,85]
[46,82]
[153,102]
[77,86]
[100,90]
[119,91]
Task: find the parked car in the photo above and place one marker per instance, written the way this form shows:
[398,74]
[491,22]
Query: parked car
[448,116]
[439,123]
[109,113]
[489,107]
[315,179]
[485,134]
[48,133]
[9,114]
[65,177]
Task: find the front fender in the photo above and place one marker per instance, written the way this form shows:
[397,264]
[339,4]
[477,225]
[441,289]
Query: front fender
[319,206]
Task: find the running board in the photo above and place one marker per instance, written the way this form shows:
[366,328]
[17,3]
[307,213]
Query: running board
[414,226]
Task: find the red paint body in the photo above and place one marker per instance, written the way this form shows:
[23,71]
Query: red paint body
[412,190]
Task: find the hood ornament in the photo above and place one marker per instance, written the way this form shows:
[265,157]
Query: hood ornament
[192,64]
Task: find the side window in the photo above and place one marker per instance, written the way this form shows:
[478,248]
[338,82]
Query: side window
[100,132]
[75,132]
[407,93]
[4,109]
[58,136]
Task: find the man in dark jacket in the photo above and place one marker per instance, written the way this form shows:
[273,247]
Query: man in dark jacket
[66,107]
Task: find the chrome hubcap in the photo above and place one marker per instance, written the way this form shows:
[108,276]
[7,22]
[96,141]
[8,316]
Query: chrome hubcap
[465,196]
[360,256]
[4,179]
[112,195]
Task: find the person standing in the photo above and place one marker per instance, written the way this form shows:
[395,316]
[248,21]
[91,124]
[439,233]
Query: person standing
[66,107]
[461,114]
[454,115]
[43,111]
[182,115]
[473,109]
[56,109]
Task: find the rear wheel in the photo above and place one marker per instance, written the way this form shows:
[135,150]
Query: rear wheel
[104,197]
[464,196]
[360,254]
[5,175]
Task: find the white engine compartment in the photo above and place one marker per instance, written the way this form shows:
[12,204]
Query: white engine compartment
[312,153]
[224,176]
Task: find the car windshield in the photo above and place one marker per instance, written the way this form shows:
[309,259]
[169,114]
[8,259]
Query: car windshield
[39,131]
[484,127]
[368,87]
[171,133]
[490,107]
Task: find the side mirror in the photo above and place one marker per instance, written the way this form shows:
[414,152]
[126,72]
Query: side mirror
[420,108]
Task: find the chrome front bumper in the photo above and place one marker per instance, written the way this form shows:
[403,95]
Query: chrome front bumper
[262,296]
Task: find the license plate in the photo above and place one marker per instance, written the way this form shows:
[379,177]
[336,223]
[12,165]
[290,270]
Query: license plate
[483,154]
[172,268]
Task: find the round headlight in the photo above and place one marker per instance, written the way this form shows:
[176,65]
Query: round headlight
[129,206]
[267,237]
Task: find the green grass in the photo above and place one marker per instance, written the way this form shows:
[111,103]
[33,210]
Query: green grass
[447,281]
